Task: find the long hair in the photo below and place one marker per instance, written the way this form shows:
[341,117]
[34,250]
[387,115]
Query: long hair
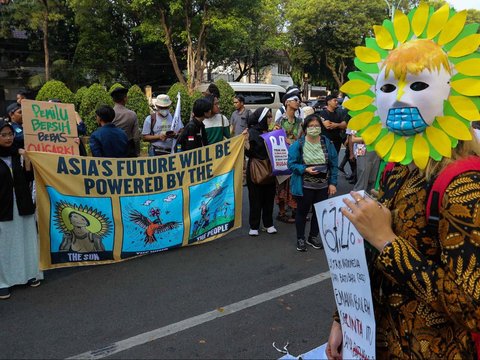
[463,150]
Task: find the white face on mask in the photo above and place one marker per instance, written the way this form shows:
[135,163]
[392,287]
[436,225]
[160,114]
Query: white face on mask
[408,107]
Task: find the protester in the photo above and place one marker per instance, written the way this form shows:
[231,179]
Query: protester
[19,251]
[424,271]
[158,132]
[313,162]
[293,129]
[238,120]
[108,140]
[14,112]
[260,196]
[333,123]
[367,162]
[21,95]
[217,125]
[194,135]
[291,92]
[126,120]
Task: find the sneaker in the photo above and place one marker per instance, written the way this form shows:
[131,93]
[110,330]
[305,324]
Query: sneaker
[4,293]
[314,242]
[301,245]
[271,230]
[253,232]
[33,282]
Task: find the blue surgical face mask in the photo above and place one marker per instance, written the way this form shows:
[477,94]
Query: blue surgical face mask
[163,112]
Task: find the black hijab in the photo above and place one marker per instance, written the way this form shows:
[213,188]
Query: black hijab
[258,120]
[11,150]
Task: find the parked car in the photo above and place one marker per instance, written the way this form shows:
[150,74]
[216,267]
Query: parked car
[256,95]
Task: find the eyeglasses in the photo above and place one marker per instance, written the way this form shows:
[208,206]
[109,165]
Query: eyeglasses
[7,135]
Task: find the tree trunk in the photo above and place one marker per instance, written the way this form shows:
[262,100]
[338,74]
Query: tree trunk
[171,52]
[45,41]
[337,76]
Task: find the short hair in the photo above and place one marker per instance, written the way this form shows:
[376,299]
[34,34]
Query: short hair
[119,94]
[214,90]
[22,93]
[106,113]
[240,98]
[201,106]
[308,120]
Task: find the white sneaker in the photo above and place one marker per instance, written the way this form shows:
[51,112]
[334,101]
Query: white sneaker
[253,232]
[271,230]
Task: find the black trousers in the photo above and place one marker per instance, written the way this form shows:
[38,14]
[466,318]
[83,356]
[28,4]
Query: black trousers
[261,198]
[304,203]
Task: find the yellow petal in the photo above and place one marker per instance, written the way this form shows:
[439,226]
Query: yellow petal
[469,87]
[360,121]
[420,151]
[464,107]
[420,19]
[438,21]
[401,26]
[467,45]
[355,87]
[383,146]
[469,67]
[371,133]
[399,150]
[453,27]
[439,140]
[358,102]
[383,37]
[367,55]
[454,127]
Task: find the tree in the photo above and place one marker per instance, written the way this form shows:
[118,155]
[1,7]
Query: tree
[186,99]
[93,97]
[327,33]
[37,15]
[183,25]
[138,102]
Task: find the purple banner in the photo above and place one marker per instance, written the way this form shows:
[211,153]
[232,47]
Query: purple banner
[277,151]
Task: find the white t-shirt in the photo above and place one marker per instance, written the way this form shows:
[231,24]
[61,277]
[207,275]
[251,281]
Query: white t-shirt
[162,125]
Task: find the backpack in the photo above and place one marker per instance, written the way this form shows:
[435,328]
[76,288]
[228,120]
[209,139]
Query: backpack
[434,202]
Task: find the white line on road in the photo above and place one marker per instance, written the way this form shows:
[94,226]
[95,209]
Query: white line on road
[200,319]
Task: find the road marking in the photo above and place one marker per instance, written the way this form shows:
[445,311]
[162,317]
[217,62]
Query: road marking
[159,333]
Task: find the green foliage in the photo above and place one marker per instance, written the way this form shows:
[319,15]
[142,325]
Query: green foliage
[115,86]
[138,102]
[226,97]
[55,89]
[186,99]
[95,96]
[79,96]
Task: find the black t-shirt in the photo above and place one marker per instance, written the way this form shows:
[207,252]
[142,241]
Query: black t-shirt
[335,135]
[193,135]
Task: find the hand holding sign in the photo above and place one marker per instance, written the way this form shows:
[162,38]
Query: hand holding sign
[372,220]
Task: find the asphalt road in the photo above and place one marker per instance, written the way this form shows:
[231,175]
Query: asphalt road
[227,299]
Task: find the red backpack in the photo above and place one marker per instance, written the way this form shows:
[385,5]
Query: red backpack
[434,202]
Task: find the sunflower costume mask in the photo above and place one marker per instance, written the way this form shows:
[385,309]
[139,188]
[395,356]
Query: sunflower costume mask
[416,91]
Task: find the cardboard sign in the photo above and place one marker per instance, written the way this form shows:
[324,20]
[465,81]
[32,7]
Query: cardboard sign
[344,248]
[50,127]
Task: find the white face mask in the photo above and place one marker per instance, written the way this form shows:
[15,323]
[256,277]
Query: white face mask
[408,108]
[163,112]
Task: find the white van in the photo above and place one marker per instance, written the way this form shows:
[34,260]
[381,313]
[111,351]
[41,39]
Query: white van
[256,95]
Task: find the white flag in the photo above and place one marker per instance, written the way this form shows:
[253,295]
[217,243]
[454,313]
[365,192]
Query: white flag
[177,123]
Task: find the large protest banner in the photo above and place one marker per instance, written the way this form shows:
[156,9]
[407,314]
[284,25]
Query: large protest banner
[50,127]
[344,248]
[102,210]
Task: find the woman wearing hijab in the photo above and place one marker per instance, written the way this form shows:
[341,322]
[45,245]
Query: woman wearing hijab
[260,197]
[18,232]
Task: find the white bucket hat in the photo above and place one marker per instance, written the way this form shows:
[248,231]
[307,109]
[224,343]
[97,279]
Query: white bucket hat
[162,100]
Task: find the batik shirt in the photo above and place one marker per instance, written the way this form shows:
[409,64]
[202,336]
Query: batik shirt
[426,283]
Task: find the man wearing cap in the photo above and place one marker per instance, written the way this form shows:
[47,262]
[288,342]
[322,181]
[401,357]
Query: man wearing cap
[126,120]
[292,91]
[157,127]
[333,123]
[14,112]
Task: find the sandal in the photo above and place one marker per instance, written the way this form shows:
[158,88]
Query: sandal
[283,218]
